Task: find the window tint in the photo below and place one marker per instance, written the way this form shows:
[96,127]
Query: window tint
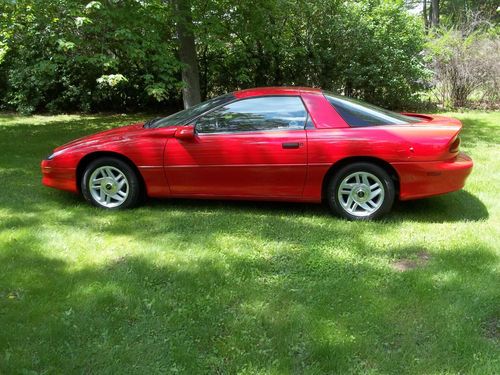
[267,113]
[183,117]
[357,113]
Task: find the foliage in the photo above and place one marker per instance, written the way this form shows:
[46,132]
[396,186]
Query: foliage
[60,53]
[465,62]
[456,12]
[194,287]
[367,49]
[55,51]
[453,13]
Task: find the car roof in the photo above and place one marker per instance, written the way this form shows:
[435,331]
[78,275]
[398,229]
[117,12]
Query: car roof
[282,90]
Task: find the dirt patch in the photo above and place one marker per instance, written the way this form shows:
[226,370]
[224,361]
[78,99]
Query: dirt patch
[492,328]
[407,264]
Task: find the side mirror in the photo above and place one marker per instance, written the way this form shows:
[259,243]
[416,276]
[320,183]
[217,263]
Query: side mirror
[185,132]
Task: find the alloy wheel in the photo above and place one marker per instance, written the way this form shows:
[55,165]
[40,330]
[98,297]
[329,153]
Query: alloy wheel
[109,186]
[361,194]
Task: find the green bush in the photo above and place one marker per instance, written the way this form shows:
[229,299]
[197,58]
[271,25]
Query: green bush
[60,53]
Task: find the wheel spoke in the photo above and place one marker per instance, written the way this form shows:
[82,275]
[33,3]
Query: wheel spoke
[348,203]
[365,207]
[121,184]
[375,193]
[102,195]
[364,178]
[96,183]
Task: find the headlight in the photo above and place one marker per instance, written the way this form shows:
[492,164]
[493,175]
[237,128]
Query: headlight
[54,154]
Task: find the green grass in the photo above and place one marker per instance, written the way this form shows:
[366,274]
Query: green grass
[233,287]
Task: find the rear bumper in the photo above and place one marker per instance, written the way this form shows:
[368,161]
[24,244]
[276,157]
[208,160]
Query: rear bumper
[58,178]
[424,179]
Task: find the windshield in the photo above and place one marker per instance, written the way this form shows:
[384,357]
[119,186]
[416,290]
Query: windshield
[185,116]
[357,113]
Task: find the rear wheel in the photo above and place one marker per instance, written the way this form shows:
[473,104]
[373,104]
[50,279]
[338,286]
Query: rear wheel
[361,191]
[110,183]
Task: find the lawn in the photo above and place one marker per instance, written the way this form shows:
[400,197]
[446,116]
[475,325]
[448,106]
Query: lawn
[236,287]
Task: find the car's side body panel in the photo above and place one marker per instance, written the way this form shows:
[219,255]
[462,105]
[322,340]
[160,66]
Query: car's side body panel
[424,179]
[143,148]
[407,148]
[253,164]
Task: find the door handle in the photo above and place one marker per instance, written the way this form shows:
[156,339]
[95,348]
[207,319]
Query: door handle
[291,145]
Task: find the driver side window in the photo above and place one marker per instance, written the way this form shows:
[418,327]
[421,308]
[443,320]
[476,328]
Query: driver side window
[255,114]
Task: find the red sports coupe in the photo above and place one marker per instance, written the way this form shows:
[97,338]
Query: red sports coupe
[290,144]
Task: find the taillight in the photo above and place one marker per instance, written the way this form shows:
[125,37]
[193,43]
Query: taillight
[455,145]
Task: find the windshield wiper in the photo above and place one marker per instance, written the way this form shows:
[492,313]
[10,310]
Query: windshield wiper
[149,123]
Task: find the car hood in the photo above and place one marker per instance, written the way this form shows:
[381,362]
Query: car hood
[120,133]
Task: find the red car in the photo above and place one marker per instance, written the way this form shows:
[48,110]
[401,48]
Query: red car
[289,144]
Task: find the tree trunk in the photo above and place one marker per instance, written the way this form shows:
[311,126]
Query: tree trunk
[435,13]
[426,19]
[187,53]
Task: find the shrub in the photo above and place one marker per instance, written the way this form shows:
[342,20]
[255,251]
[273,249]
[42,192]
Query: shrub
[466,66]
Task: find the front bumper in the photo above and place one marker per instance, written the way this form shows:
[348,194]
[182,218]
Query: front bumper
[425,179]
[58,177]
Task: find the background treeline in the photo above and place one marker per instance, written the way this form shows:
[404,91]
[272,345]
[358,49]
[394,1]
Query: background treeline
[124,55]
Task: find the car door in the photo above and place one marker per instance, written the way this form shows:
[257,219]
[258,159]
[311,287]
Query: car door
[253,147]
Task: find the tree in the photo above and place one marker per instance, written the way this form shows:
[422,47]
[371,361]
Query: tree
[457,12]
[465,64]
[187,53]
[129,54]
[99,55]
[434,13]
[424,13]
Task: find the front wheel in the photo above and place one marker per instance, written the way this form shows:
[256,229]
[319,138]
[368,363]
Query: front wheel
[361,191]
[110,183]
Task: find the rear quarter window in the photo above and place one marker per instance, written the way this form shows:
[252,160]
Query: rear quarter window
[359,114]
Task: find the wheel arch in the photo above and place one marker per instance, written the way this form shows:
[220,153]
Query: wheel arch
[89,158]
[356,159]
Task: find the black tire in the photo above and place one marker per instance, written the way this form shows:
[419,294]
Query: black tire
[134,193]
[383,202]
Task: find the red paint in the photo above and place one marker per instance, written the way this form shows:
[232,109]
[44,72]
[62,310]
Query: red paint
[242,164]
[176,162]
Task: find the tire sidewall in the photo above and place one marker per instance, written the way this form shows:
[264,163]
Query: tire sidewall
[380,173]
[130,174]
